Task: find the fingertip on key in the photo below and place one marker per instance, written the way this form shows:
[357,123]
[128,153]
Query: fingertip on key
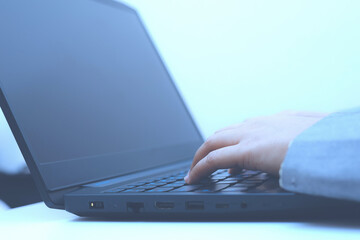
[186,178]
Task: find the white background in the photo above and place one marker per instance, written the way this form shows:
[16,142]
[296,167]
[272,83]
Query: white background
[238,59]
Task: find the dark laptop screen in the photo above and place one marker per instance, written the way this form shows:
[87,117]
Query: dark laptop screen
[88,91]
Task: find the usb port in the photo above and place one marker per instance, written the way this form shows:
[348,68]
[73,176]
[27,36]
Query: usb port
[195,205]
[222,205]
[96,205]
[164,205]
[135,207]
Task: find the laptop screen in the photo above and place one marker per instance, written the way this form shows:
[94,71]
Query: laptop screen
[89,92]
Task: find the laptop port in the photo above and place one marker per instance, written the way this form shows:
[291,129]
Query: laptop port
[222,205]
[194,205]
[96,205]
[164,205]
[135,207]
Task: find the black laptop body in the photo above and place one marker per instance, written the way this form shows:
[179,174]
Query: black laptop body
[102,126]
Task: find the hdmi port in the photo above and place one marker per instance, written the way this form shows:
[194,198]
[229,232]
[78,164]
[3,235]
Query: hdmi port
[195,205]
[164,205]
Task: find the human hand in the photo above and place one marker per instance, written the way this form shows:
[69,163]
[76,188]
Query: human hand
[256,144]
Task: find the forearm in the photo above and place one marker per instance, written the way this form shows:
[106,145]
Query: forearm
[325,159]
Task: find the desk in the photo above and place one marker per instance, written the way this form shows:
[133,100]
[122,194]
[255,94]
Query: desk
[38,221]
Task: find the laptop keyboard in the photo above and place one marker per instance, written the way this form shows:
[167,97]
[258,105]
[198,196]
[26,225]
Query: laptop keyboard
[220,181]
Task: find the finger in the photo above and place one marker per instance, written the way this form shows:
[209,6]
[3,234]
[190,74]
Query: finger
[214,142]
[227,157]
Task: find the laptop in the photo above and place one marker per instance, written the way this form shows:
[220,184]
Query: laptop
[103,128]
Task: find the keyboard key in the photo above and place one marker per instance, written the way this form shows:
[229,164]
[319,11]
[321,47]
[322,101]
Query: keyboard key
[155,184]
[165,181]
[224,174]
[248,175]
[179,178]
[220,171]
[207,181]
[212,188]
[144,188]
[180,182]
[133,190]
[175,184]
[132,185]
[166,176]
[230,181]
[261,176]
[187,188]
[155,179]
[253,182]
[218,177]
[235,177]
[242,185]
[234,189]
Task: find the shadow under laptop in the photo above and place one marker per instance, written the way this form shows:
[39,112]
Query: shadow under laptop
[330,219]
[323,225]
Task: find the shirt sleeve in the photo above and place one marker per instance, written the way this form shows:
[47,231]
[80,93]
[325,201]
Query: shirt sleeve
[324,160]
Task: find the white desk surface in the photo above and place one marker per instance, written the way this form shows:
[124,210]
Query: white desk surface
[38,221]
